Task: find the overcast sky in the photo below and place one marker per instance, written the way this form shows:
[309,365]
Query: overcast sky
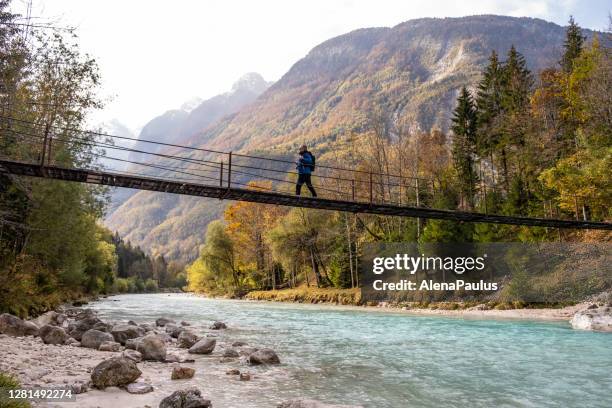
[154,55]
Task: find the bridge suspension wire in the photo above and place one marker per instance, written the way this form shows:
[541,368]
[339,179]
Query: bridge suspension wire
[270,159]
[207,163]
[364,191]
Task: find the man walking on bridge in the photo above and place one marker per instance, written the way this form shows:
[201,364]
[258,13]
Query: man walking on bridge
[305,167]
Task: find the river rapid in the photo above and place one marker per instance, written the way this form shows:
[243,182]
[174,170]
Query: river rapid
[381,359]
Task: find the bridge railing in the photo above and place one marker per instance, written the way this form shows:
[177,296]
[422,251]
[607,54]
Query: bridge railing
[47,145]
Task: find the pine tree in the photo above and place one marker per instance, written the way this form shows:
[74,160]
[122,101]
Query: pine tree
[517,83]
[574,40]
[464,143]
[489,105]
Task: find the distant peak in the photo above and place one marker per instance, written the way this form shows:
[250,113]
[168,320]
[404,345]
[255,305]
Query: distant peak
[191,104]
[251,82]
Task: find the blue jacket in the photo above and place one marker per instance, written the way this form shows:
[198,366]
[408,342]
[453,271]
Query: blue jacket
[304,162]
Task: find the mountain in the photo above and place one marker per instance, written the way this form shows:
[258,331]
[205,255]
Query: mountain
[412,72]
[164,212]
[115,127]
[243,92]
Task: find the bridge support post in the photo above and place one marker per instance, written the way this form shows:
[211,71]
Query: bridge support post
[229,170]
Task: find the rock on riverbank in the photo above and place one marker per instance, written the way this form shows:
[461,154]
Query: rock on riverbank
[596,318]
[114,375]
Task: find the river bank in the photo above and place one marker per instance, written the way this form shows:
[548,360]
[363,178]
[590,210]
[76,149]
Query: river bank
[492,310]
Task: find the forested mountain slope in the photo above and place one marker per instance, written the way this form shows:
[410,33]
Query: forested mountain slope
[411,73]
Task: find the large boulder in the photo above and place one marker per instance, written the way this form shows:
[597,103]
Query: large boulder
[204,346]
[182,373]
[93,338]
[152,348]
[308,403]
[189,398]
[187,339]
[162,321]
[80,326]
[53,334]
[114,372]
[14,326]
[263,356]
[124,332]
[594,318]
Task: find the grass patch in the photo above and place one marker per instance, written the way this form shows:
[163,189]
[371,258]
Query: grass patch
[306,294]
[7,382]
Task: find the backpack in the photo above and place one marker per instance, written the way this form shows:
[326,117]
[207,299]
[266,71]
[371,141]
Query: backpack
[312,166]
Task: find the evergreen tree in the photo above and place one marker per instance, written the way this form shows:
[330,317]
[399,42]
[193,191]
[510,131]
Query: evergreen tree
[574,40]
[517,83]
[489,104]
[464,144]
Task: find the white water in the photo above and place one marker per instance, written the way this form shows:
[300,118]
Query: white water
[378,360]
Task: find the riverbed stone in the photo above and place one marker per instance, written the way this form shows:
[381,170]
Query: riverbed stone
[188,398]
[247,351]
[593,318]
[103,327]
[238,344]
[264,356]
[187,339]
[229,352]
[218,325]
[152,348]
[124,332]
[133,343]
[308,403]
[93,338]
[110,346]
[139,388]
[114,372]
[184,323]
[53,334]
[174,330]
[182,373]
[245,377]
[204,346]
[48,318]
[132,355]
[16,327]
[162,321]
[80,326]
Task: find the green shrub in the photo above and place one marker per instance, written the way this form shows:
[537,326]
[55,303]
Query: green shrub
[151,285]
[7,381]
[122,285]
[140,285]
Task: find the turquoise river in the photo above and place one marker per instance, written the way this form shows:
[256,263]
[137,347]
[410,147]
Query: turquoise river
[384,359]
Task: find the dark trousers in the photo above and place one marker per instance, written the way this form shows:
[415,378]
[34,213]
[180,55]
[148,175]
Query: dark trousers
[304,178]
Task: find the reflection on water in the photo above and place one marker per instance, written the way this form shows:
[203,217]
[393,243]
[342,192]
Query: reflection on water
[351,356]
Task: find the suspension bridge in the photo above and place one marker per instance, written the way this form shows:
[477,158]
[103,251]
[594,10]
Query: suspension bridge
[193,171]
